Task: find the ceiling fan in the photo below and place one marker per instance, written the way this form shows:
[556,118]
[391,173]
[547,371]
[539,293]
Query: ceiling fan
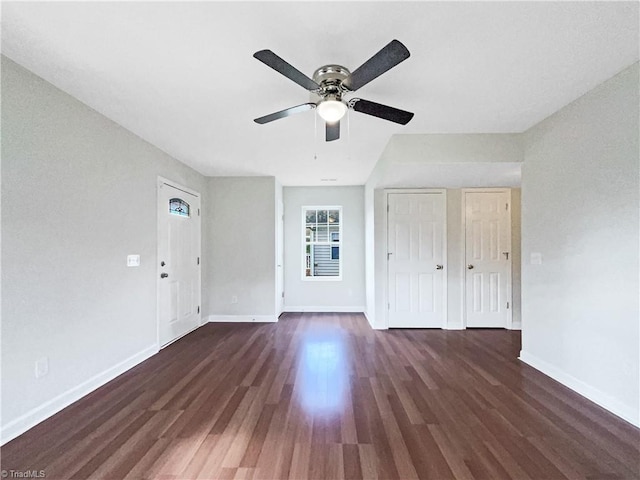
[331,82]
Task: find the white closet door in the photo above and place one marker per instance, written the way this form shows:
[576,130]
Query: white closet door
[416,252]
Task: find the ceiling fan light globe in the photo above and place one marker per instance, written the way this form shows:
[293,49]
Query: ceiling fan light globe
[331,110]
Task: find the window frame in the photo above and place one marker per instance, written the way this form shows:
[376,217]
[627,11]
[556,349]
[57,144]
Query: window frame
[178,212]
[329,242]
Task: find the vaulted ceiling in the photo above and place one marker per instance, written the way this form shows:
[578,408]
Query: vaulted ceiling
[182,75]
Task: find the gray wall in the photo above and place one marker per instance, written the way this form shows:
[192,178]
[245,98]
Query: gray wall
[240,248]
[580,197]
[78,195]
[449,161]
[347,294]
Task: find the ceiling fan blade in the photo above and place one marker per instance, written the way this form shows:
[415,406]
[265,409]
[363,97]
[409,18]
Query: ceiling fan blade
[305,107]
[387,58]
[332,131]
[381,111]
[279,65]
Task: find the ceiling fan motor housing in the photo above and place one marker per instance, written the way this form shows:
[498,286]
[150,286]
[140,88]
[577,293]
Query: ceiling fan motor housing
[330,78]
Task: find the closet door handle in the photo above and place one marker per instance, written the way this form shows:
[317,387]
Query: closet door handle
[439,267]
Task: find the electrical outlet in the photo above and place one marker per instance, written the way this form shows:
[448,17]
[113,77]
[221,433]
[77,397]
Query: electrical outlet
[42,367]
[234,299]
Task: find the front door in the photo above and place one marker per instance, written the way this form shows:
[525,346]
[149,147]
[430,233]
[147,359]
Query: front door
[415,258]
[487,258]
[178,261]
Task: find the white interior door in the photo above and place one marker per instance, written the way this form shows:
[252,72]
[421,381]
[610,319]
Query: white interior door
[416,252]
[487,258]
[178,261]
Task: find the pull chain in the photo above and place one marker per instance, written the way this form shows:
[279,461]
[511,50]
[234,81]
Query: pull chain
[348,135]
[315,136]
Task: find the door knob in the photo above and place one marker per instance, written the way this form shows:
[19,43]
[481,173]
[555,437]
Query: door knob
[164,275]
[470,267]
[439,267]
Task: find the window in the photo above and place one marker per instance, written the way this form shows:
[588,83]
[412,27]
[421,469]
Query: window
[179,207]
[322,232]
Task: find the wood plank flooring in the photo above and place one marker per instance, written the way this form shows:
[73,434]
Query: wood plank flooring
[322,396]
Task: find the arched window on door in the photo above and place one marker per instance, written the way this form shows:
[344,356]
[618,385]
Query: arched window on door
[179,207]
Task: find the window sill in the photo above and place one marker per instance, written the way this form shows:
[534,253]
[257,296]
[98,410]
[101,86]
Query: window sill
[322,279]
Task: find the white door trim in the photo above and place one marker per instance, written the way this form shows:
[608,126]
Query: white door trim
[190,191]
[279,304]
[464,246]
[385,247]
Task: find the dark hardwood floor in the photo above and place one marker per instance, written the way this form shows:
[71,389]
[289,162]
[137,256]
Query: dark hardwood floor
[322,396]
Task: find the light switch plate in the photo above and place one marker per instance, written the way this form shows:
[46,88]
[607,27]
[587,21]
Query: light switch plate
[133,260]
[536,258]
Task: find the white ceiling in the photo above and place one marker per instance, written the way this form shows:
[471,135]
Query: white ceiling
[182,76]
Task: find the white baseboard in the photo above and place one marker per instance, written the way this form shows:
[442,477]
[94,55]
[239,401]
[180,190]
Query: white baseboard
[242,318]
[372,324]
[366,315]
[355,309]
[40,413]
[597,396]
